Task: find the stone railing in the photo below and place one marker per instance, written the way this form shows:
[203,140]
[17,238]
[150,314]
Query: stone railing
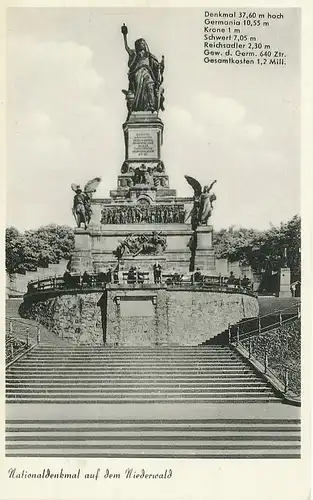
[274,351]
[253,327]
[20,338]
[96,281]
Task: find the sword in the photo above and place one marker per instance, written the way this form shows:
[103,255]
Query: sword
[159,82]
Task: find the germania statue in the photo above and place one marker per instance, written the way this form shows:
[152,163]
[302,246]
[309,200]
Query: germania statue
[145,77]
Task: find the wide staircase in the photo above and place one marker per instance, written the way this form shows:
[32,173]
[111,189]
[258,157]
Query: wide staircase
[134,375]
[144,401]
[155,438]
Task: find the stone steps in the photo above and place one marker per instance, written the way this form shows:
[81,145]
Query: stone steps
[219,369]
[62,379]
[153,385]
[174,351]
[142,399]
[148,391]
[79,374]
[135,360]
[14,378]
[185,438]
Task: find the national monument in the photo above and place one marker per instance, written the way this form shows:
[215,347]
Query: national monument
[141,228]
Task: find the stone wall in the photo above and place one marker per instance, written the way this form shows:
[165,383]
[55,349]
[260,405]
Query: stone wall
[76,317]
[181,317]
[202,315]
[136,316]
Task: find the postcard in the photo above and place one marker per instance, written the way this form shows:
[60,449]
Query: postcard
[155,253]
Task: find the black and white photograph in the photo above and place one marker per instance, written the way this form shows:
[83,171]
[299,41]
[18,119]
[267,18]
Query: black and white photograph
[153,237]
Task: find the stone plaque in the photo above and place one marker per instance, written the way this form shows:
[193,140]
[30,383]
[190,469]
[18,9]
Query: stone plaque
[143,144]
[136,308]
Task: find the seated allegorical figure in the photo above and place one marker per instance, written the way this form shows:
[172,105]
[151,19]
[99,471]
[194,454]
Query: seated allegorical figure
[140,174]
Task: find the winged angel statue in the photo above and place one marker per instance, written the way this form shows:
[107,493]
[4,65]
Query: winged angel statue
[82,201]
[203,202]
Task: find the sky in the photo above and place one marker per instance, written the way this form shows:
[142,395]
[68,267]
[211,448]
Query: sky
[66,68]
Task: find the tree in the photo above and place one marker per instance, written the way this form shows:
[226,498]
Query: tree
[38,247]
[237,244]
[263,250]
[14,254]
[285,237]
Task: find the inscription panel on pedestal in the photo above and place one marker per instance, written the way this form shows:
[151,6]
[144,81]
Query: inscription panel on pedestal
[143,144]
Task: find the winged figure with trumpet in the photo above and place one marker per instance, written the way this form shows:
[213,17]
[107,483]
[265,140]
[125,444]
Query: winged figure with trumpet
[203,202]
[82,201]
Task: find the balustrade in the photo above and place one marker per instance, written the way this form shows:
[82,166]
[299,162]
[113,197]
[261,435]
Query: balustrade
[286,381]
[269,346]
[19,338]
[250,347]
[265,359]
[99,280]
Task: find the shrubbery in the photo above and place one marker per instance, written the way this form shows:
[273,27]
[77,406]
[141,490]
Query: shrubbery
[263,250]
[37,248]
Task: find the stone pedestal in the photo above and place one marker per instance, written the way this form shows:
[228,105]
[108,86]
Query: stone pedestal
[284,287]
[82,256]
[142,194]
[142,169]
[94,247]
[204,258]
[204,237]
[143,134]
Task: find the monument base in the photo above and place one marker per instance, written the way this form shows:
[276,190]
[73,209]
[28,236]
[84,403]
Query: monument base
[82,256]
[143,132]
[143,216]
[95,246]
[134,315]
[204,256]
